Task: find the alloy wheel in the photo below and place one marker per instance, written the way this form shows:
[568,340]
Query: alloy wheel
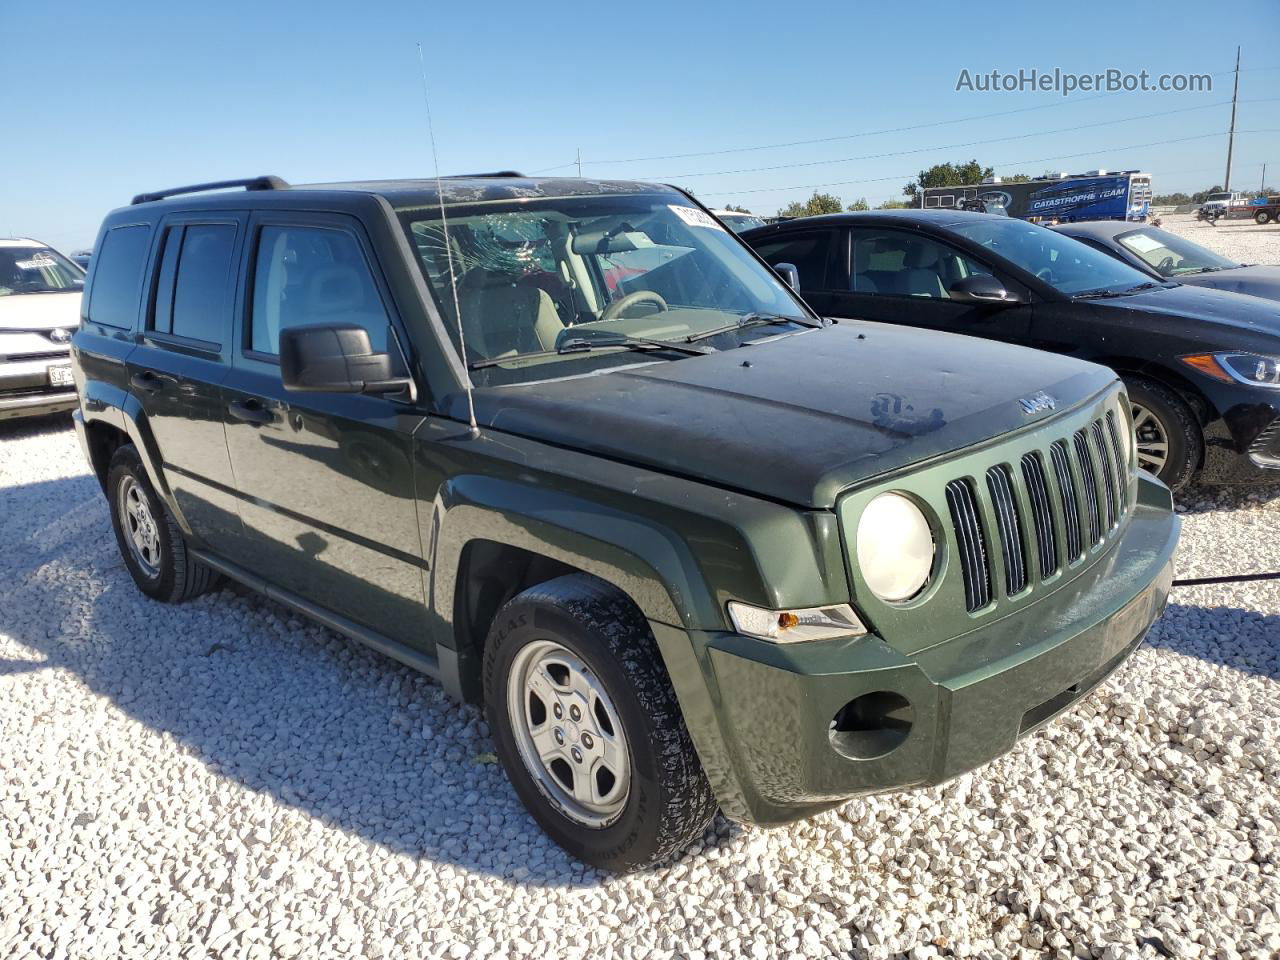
[568,733]
[1152,440]
[141,533]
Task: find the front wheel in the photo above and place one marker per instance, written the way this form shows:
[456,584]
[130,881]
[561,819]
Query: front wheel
[1167,433]
[1262,218]
[588,727]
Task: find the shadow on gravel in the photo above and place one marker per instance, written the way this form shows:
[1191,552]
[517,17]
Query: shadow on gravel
[276,704]
[20,428]
[1232,637]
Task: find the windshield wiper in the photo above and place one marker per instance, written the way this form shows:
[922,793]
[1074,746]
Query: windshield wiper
[1106,294]
[587,344]
[749,320]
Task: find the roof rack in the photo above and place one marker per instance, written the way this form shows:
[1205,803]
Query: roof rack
[482,176]
[252,183]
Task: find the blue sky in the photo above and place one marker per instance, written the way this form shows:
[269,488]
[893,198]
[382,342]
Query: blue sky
[170,93]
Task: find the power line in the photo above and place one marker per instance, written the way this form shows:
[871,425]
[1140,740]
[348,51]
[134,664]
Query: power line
[1005,163]
[951,146]
[872,133]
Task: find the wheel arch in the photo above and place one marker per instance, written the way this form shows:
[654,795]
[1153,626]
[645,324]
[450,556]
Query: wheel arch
[1183,386]
[493,538]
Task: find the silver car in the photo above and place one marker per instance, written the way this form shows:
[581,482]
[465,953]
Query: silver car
[39,311]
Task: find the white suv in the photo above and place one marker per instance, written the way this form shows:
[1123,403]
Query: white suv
[39,310]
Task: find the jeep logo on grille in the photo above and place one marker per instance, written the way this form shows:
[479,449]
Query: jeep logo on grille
[1037,403]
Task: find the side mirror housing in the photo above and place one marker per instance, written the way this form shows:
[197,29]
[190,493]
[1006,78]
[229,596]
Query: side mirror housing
[982,289]
[335,359]
[789,273]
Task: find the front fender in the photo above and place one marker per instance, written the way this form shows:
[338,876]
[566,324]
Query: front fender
[646,561]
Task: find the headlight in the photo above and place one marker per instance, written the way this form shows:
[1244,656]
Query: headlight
[1254,369]
[895,547]
[794,626]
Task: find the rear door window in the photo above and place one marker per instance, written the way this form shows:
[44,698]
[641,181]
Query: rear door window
[117,276]
[202,285]
[809,252]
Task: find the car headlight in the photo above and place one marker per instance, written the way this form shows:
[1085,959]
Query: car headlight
[1255,369]
[895,547]
[794,626]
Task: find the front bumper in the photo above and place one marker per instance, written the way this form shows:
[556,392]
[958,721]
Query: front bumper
[25,390]
[760,714]
[1242,441]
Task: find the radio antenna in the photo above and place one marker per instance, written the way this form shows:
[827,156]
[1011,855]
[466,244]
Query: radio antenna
[448,247]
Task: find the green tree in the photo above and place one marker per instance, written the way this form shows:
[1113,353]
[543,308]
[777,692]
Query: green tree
[858,205]
[893,205]
[946,175]
[818,204]
[730,206]
[1017,178]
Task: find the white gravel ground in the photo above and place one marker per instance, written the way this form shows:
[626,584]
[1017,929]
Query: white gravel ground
[222,779]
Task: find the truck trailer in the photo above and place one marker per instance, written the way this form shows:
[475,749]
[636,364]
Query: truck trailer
[1096,195]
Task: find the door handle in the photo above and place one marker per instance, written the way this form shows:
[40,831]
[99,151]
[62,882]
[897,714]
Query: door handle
[148,381]
[250,411]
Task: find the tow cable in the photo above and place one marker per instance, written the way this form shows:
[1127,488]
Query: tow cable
[1234,578]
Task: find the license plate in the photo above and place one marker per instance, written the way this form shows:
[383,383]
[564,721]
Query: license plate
[60,376]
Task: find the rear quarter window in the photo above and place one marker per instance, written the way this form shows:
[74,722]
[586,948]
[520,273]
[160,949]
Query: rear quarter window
[117,276]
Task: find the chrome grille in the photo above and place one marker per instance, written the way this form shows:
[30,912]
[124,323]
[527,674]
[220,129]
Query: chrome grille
[969,538]
[1008,527]
[1090,481]
[1049,501]
[1070,502]
[1033,476]
[1108,473]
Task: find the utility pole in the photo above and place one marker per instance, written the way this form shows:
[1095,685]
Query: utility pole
[1262,190]
[580,155]
[1231,136]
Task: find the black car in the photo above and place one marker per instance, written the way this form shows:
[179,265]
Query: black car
[1202,365]
[1167,256]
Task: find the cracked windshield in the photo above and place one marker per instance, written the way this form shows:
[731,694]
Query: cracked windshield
[583,283]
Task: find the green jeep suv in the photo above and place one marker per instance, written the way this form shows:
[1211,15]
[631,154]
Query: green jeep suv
[572,448]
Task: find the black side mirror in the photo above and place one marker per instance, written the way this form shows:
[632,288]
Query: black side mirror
[982,289]
[789,273]
[335,359]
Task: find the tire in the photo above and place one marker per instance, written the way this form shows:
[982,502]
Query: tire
[164,570]
[1171,417]
[584,632]
[1262,218]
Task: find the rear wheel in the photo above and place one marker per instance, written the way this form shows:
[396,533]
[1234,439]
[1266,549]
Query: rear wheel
[149,538]
[588,727]
[1167,433]
[1262,217]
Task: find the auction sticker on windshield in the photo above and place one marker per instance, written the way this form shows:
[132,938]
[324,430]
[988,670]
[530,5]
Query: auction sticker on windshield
[695,217]
[38,262]
[1142,243]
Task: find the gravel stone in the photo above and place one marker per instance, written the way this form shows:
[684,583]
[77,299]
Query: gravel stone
[224,779]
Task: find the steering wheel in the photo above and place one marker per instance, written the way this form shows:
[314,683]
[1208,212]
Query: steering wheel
[616,309]
[1165,267]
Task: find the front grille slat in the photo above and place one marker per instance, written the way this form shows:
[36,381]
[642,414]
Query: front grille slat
[1122,483]
[970,541]
[1089,479]
[1108,473]
[1037,484]
[1070,502]
[1008,527]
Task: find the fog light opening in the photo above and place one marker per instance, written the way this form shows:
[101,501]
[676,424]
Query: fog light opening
[871,725]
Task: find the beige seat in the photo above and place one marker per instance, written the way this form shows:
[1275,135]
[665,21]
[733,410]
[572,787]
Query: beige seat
[501,317]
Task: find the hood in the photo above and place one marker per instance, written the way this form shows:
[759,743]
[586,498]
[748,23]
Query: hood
[1232,311]
[1256,281]
[801,417]
[40,311]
